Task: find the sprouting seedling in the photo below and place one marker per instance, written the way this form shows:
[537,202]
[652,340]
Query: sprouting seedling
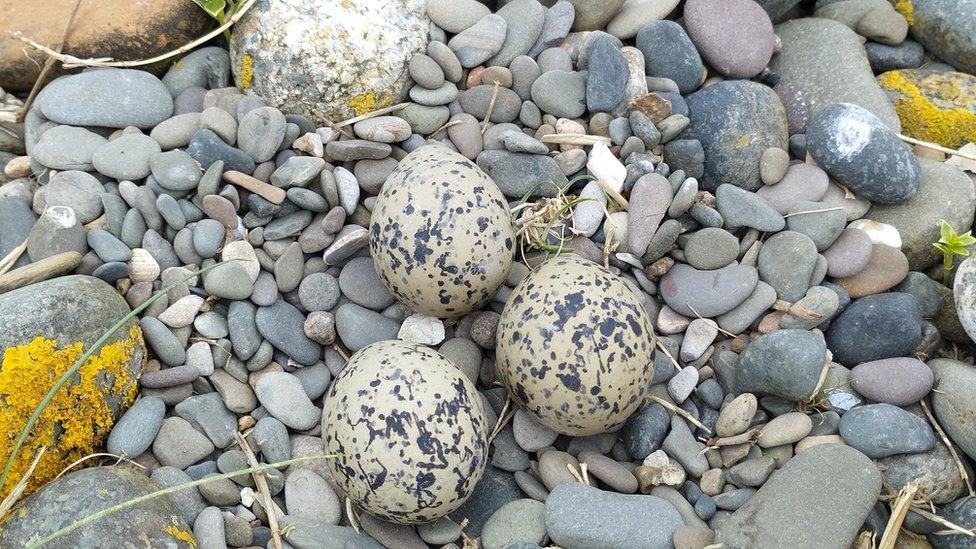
[952,244]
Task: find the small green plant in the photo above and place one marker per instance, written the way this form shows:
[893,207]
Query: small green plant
[951,245]
[220,10]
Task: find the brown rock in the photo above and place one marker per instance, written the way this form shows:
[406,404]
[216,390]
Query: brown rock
[653,105]
[105,28]
[887,267]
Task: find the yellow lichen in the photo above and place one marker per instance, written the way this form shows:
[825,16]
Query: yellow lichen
[907,10]
[247,71]
[369,102]
[78,418]
[922,118]
[180,534]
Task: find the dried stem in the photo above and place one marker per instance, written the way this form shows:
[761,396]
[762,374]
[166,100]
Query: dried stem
[936,147]
[680,412]
[373,114]
[491,107]
[581,139]
[898,511]
[945,440]
[270,509]
[8,261]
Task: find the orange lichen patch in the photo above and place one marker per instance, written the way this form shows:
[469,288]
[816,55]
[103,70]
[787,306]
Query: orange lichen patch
[937,107]
[78,418]
[907,10]
[180,534]
[247,71]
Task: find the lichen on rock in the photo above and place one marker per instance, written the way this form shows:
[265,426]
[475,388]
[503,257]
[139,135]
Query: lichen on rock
[328,59]
[934,106]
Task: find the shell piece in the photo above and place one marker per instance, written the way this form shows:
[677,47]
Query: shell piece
[574,347]
[442,237]
[409,431]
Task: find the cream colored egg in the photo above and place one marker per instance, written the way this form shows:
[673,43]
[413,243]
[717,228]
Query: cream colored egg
[409,431]
[574,347]
[441,234]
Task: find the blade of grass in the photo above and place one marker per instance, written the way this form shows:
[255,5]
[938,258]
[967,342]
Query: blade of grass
[36,414]
[171,490]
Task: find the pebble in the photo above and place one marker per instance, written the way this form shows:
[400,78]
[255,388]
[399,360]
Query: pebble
[479,42]
[785,363]
[519,522]
[560,93]
[782,511]
[517,173]
[126,157]
[525,19]
[179,445]
[845,138]
[881,430]
[886,267]
[773,165]
[786,262]
[112,98]
[135,431]
[900,381]
[260,133]
[875,327]
[357,326]
[736,416]
[740,208]
[67,148]
[582,516]
[647,199]
[709,293]
[681,445]
[282,325]
[711,248]
[388,129]
[788,428]
[455,17]
[608,75]
[735,38]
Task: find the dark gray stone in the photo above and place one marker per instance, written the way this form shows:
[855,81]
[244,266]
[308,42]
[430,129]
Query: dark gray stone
[882,430]
[875,327]
[785,363]
[669,53]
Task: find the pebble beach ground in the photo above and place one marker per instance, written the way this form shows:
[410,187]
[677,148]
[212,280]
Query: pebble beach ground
[581,274]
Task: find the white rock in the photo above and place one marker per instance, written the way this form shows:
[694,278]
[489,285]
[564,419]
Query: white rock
[243,251]
[699,335]
[182,312]
[670,322]
[310,143]
[880,233]
[588,214]
[683,383]
[328,59]
[604,166]
[348,187]
[422,329]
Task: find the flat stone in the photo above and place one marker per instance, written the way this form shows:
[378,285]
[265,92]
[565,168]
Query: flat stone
[358,327]
[649,201]
[67,148]
[710,293]
[282,325]
[711,248]
[886,268]
[455,17]
[900,381]
[843,481]
[126,157]
[283,397]
[881,430]
[875,327]
[135,431]
[786,262]
[525,19]
[802,182]
[735,38]
[582,516]
[479,42]
[517,173]
[560,93]
[785,363]
[741,208]
[309,496]
[669,53]
[113,98]
[608,75]
[179,444]
[558,22]
[952,403]
[743,315]
[788,428]
[634,15]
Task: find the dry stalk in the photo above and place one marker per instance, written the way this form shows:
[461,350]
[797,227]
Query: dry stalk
[373,114]
[491,107]
[814,211]
[353,518]
[340,352]
[8,261]
[71,62]
[118,459]
[503,419]
[667,354]
[936,147]
[447,125]
[749,437]
[48,66]
[580,139]
[270,509]
[898,511]
[710,321]
[945,440]
[8,502]
[953,527]
[680,412]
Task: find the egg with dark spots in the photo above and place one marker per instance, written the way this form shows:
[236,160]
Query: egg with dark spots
[408,431]
[441,234]
[574,347]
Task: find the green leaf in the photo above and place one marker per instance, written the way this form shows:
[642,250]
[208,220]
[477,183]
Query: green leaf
[946,230]
[941,247]
[215,8]
[966,239]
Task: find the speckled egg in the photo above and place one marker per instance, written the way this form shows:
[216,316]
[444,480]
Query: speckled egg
[441,235]
[409,431]
[574,347]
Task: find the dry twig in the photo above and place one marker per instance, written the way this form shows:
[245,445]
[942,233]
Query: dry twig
[898,511]
[936,147]
[680,412]
[270,509]
[367,116]
[945,440]
[48,65]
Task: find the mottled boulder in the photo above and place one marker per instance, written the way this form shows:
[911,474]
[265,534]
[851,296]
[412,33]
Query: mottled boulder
[735,120]
[153,523]
[946,28]
[329,59]
[44,328]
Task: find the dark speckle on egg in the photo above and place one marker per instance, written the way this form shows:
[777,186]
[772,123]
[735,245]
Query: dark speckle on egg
[574,347]
[408,430]
[441,235]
